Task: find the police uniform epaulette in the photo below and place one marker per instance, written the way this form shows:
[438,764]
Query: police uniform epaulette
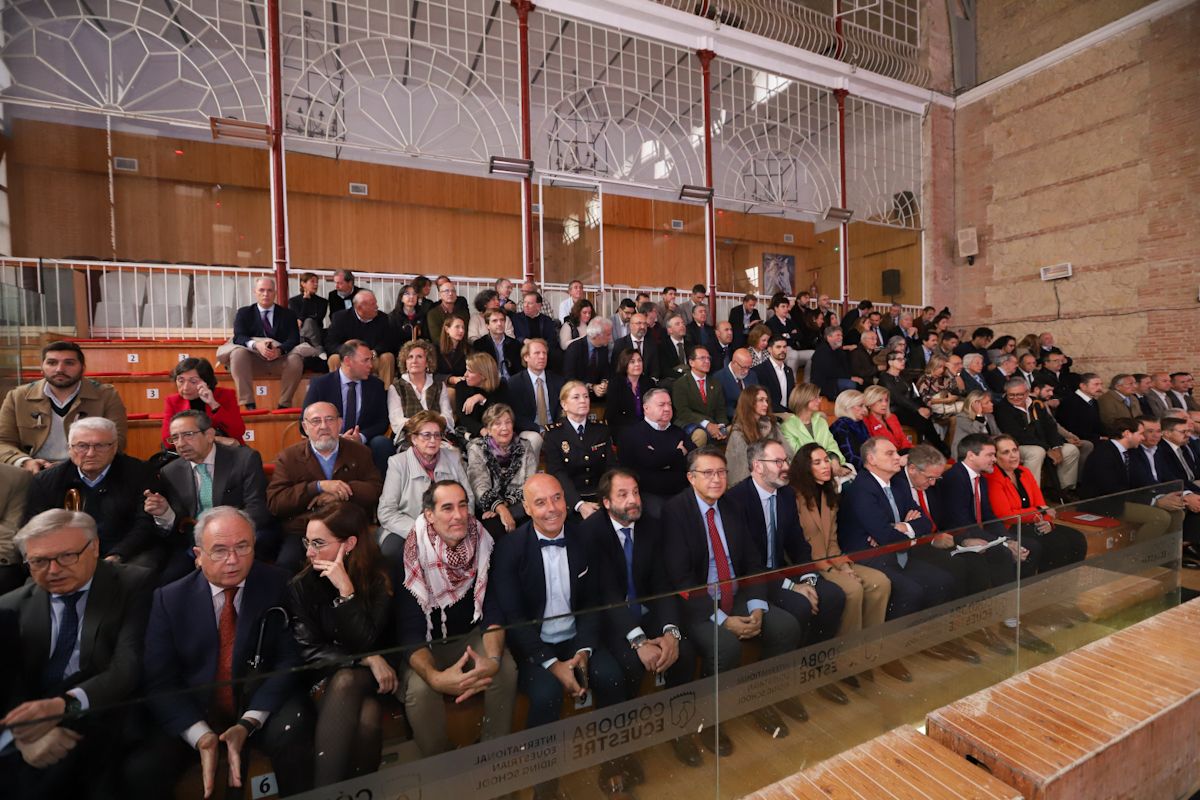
[554,426]
[597,422]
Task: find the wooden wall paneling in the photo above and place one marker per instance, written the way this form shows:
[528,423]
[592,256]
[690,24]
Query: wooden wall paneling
[58,213]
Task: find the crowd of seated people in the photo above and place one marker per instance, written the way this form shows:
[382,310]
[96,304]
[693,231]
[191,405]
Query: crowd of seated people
[428,515]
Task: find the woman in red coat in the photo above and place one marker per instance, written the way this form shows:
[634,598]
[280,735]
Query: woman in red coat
[880,420]
[1013,492]
[197,389]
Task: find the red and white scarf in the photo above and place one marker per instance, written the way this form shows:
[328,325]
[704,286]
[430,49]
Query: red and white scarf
[439,576]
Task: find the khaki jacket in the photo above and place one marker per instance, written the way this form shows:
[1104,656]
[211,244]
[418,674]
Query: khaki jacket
[25,416]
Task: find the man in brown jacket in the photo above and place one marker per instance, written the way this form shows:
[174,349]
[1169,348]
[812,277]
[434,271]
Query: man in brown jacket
[1119,402]
[312,473]
[35,416]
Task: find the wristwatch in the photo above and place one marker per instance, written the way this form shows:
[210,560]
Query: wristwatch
[636,642]
[71,705]
[671,630]
[339,600]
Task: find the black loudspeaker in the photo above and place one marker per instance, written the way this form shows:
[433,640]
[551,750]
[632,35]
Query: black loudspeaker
[891,282]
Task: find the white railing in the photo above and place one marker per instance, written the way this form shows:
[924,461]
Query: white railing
[128,300]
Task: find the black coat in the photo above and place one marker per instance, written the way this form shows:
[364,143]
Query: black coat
[621,410]
[373,414]
[741,327]
[285,329]
[336,303]
[1038,429]
[510,348]
[345,325]
[955,505]
[524,399]
[336,634]
[579,366]
[1080,418]
[649,578]
[116,503]
[790,545]
[767,379]
[578,463]
[655,457]
[650,361]
[829,366]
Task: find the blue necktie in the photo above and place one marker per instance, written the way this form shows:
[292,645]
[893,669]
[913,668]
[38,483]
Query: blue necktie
[902,558]
[559,542]
[64,643]
[630,591]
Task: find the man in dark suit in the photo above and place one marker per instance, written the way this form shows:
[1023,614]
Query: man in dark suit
[722,349]
[656,451]
[638,340]
[77,644]
[853,315]
[972,374]
[534,390]
[322,469]
[1078,411]
[698,400]
[742,318]
[343,292]
[776,376]
[672,351]
[709,545]
[918,356]
[364,420]
[500,346]
[205,629]
[549,575]
[108,486]
[205,475]
[363,322]
[266,341]
[736,376]
[768,507]
[996,378]
[531,323]
[698,331]
[587,359]
[1036,432]
[875,513]
[1174,461]
[1109,471]
[830,367]
[644,637]
[1054,371]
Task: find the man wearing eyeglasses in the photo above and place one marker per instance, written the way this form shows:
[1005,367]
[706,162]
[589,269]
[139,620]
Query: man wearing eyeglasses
[324,468]
[206,474]
[107,485]
[204,631]
[1036,432]
[59,672]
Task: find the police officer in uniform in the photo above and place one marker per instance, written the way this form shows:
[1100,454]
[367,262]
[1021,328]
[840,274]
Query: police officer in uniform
[578,450]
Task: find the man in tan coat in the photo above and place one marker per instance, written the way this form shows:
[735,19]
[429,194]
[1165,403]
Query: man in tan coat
[1119,402]
[35,416]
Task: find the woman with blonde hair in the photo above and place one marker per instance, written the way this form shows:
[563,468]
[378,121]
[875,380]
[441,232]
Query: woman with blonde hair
[976,417]
[849,430]
[752,421]
[880,420]
[480,389]
[808,425]
[757,341]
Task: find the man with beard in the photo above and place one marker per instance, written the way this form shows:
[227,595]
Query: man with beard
[35,417]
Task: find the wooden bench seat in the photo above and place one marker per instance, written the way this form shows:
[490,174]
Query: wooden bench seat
[268,434]
[144,392]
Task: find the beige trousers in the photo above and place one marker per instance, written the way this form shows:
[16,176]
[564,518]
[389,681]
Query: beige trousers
[867,593]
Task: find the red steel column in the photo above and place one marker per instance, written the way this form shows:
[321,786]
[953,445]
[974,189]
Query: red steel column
[710,229]
[278,187]
[524,7]
[843,229]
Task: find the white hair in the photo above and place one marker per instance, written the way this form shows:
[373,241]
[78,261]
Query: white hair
[216,512]
[100,424]
[599,326]
[970,357]
[265,280]
[53,520]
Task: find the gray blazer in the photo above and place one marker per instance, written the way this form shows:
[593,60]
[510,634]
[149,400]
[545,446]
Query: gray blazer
[965,424]
[406,481]
[238,481]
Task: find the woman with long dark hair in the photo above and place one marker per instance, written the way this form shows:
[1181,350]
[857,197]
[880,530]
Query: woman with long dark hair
[452,352]
[752,420]
[575,324]
[406,318]
[341,607]
[626,392]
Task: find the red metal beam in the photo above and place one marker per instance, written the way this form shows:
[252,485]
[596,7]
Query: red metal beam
[843,229]
[278,187]
[524,8]
[710,234]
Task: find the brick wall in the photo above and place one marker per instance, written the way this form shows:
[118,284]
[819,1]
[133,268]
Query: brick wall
[1094,161]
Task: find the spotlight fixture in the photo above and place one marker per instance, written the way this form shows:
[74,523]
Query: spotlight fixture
[701,193]
[503,165]
[838,215]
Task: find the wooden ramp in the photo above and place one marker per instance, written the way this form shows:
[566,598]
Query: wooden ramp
[1119,718]
[901,765]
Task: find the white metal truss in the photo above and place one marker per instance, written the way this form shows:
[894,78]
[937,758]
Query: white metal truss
[612,105]
[431,78]
[883,164]
[180,62]
[774,140]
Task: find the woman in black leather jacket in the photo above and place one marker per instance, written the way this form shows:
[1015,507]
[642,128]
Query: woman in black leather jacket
[341,607]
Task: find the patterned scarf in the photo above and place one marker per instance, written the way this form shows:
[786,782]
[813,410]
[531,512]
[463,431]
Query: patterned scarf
[438,576]
[428,464]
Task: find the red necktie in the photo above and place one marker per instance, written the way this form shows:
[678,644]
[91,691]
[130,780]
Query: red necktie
[978,503]
[925,510]
[703,393]
[724,576]
[226,633]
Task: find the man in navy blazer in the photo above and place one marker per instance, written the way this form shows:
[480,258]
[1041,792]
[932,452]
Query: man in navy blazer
[546,571]
[1175,462]
[531,323]
[266,341]
[718,620]
[875,512]
[768,375]
[1108,471]
[815,603]
[638,339]
[499,345]
[522,388]
[1079,412]
[369,422]
[183,651]
[736,376]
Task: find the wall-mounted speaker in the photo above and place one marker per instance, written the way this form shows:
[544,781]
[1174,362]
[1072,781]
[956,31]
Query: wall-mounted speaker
[891,282]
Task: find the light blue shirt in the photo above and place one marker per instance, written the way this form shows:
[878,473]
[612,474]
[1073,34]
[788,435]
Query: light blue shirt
[326,463]
[720,616]
[90,483]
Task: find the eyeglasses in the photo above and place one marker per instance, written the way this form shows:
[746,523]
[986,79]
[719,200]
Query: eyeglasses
[313,544]
[183,436]
[779,462]
[711,474]
[182,381]
[85,447]
[219,554]
[322,420]
[427,435]
[39,563]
